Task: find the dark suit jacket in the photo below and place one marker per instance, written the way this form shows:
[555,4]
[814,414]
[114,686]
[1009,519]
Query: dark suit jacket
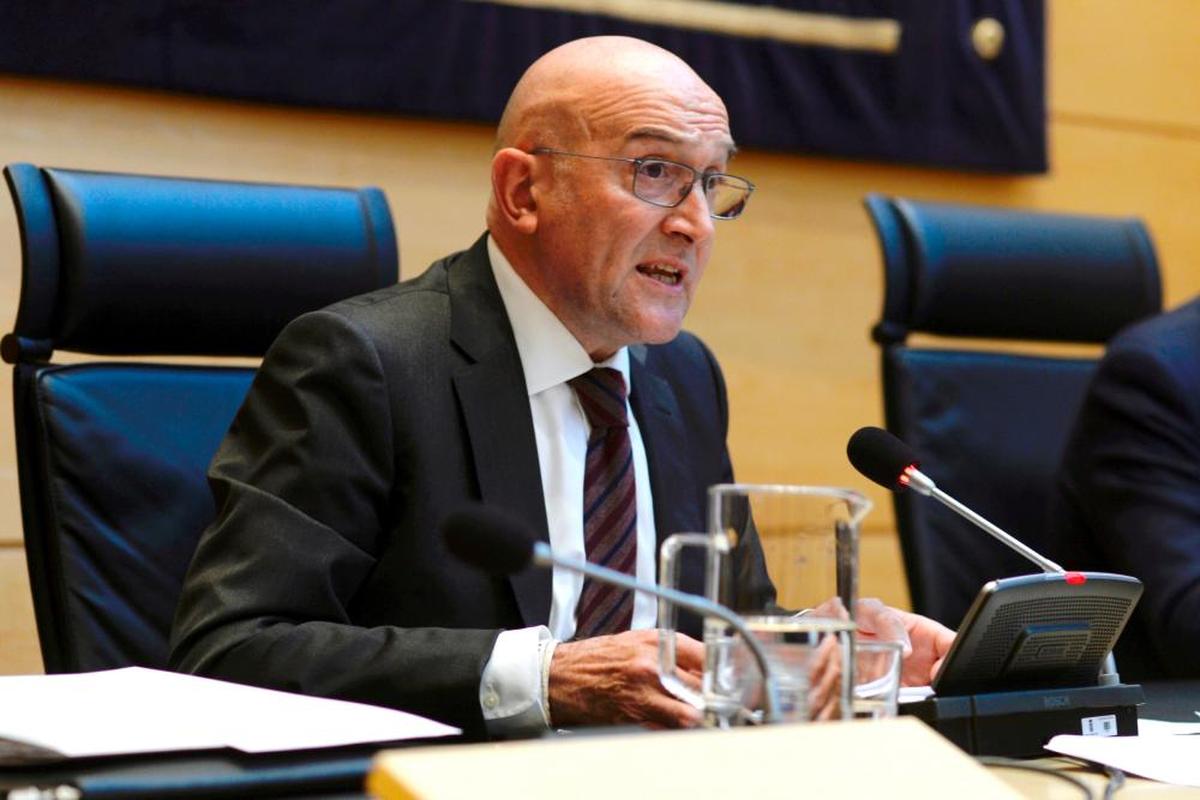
[367,423]
[1129,488]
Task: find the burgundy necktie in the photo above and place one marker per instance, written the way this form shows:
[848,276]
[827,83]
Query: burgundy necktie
[609,502]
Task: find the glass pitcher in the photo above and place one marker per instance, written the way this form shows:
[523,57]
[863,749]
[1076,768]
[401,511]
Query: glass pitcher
[771,551]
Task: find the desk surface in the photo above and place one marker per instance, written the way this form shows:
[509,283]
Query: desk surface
[344,771]
[1049,787]
[894,758]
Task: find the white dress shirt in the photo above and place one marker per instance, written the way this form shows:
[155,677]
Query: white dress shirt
[512,692]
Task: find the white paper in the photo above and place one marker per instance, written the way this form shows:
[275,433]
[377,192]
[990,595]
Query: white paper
[1162,727]
[1172,759]
[915,694]
[137,710]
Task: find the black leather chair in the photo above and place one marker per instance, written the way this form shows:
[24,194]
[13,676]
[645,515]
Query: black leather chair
[112,455]
[990,427]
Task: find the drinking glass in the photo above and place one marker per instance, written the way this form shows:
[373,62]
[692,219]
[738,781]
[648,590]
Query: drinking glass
[876,679]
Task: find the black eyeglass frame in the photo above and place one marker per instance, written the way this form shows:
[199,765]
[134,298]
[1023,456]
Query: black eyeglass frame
[638,163]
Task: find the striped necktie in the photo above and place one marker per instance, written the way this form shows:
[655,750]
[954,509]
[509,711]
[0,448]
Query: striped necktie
[609,502]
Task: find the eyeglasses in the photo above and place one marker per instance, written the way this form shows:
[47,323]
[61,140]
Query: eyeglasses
[667,183]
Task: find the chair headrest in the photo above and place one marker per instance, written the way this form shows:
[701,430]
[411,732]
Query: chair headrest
[140,265]
[964,270]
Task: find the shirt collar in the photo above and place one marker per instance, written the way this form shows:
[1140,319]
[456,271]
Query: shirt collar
[550,354]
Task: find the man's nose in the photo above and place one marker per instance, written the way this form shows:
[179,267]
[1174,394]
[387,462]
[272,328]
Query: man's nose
[691,218]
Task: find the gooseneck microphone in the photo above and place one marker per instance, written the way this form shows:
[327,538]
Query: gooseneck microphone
[494,542]
[883,458]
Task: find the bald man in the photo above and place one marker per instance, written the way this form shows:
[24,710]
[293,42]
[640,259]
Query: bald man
[373,419]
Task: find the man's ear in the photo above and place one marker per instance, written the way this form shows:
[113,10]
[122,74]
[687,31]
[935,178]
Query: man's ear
[512,189]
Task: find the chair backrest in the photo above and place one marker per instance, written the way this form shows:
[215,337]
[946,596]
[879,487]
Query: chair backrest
[990,427]
[112,455]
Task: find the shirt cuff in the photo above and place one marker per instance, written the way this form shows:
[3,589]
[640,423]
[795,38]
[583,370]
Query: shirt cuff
[512,692]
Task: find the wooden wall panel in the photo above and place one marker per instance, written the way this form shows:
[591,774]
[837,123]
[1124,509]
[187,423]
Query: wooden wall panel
[19,652]
[1117,62]
[792,289]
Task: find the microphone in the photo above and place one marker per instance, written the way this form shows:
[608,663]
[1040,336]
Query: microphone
[883,458]
[495,542]
[886,460]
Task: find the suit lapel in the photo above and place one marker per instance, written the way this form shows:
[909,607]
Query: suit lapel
[672,475]
[661,426]
[495,405]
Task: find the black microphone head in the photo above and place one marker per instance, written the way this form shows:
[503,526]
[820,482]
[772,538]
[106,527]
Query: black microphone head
[880,456]
[488,539]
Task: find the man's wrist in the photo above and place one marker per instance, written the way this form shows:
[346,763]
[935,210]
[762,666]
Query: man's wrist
[512,686]
[546,654]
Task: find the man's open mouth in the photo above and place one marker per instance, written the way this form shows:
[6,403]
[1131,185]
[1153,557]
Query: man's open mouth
[663,273]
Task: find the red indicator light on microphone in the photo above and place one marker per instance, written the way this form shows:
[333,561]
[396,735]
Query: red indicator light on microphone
[904,479]
[1075,578]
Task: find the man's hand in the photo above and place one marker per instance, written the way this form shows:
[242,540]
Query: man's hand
[614,680]
[926,642]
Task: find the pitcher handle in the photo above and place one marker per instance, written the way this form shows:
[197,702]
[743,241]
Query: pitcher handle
[668,614]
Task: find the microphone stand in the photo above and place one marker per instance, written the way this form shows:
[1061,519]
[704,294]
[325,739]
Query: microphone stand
[922,484]
[542,556]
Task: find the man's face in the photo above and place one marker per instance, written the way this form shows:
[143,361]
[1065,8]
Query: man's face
[616,269]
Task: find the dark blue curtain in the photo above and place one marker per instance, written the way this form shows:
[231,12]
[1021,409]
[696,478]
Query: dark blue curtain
[933,101]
